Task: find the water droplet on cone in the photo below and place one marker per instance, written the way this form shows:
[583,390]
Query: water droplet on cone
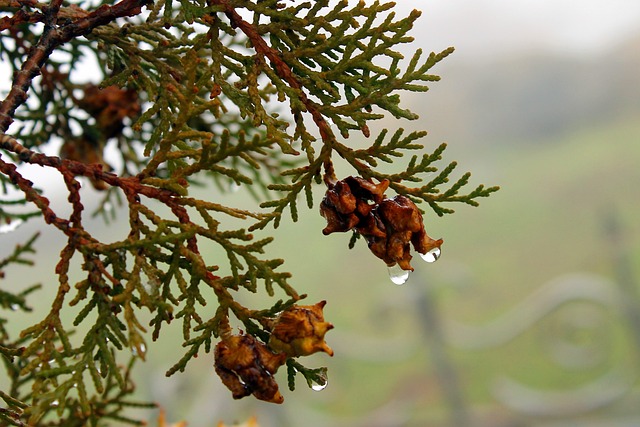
[432,255]
[319,386]
[398,275]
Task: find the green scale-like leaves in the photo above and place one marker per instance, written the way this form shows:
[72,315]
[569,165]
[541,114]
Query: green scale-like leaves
[258,95]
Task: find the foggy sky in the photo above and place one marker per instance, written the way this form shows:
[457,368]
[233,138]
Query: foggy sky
[498,27]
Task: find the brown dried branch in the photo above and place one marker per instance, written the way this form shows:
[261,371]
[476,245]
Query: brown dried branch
[52,37]
[20,17]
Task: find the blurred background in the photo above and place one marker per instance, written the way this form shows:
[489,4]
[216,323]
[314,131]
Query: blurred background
[532,315]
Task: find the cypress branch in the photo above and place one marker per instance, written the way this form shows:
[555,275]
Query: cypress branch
[260,96]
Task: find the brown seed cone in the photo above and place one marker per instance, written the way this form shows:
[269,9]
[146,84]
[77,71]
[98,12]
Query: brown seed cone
[349,201]
[400,214]
[341,198]
[109,106]
[336,222]
[366,189]
[403,226]
[246,366]
[390,226]
[372,227]
[300,330]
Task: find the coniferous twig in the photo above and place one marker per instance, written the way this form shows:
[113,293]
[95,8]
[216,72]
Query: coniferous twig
[257,95]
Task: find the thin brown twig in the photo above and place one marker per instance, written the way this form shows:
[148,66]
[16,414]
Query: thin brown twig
[20,17]
[70,168]
[52,37]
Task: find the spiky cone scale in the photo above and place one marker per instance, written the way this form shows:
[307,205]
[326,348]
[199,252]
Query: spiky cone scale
[347,202]
[342,198]
[336,222]
[422,243]
[366,189]
[401,214]
[300,331]
[404,225]
[246,366]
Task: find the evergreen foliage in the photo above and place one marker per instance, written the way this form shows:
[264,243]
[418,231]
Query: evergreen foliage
[258,94]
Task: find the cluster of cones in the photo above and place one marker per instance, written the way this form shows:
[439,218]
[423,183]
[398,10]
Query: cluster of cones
[246,365]
[389,225]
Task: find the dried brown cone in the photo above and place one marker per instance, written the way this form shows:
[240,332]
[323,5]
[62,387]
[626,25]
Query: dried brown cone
[402,223]
[390,226]
[246,366]
[110,106]
[349,201]
[300,331]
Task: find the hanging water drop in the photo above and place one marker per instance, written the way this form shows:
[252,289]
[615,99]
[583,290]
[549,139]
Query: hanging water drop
[398,275]
[55,403]
[319,386]
[234,187]
[432,255]
[10,225]
[139,350]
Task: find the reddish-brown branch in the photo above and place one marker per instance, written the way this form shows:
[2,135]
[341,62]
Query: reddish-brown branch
[69,169]
[51,13]
[74,198]
[53,37]
[32,195]
[183,216]
[20,17]
[99,265]
[22,3]
[22,80]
